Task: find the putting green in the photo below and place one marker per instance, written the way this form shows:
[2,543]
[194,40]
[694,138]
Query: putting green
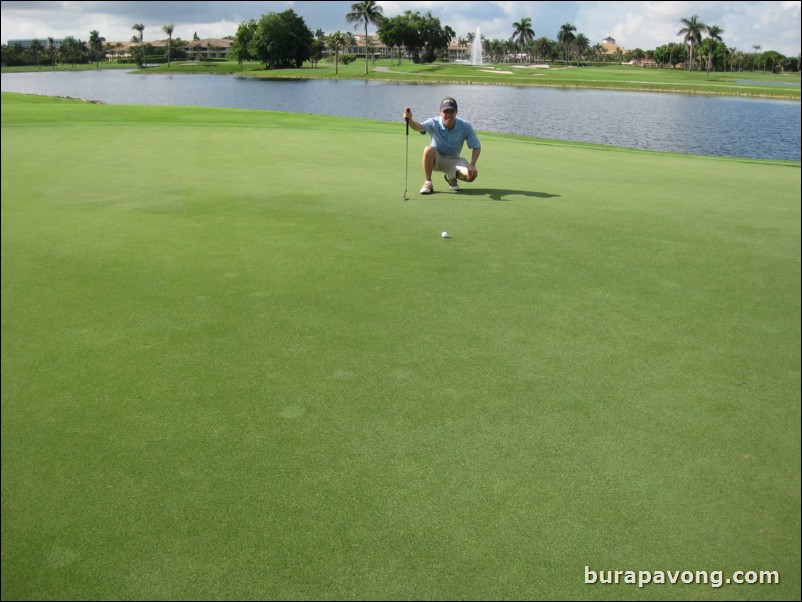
[237,366]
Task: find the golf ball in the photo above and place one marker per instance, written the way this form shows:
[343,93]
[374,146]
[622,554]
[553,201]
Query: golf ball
[444,235]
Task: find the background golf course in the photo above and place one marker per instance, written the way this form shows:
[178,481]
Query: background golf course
[753,84]
[236,365]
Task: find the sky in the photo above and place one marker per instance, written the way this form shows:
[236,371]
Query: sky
[645,25]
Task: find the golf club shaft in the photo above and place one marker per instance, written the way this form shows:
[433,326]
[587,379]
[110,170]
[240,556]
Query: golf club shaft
[406,167]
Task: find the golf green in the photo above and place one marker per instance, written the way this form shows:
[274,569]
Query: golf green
[236,365]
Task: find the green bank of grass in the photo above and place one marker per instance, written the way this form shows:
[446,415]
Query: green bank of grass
[616,77]
[613,77]
[236,365]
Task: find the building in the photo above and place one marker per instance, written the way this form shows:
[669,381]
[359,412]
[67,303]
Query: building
[456,51]
[610,47]
[205,49]
[28,43]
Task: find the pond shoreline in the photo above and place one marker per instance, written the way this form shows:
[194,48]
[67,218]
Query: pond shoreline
[446,82]
[388,74]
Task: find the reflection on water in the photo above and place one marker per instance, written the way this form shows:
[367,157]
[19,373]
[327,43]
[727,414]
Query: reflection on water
[705,125]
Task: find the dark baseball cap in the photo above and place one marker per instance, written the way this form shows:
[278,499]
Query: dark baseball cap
[448,103]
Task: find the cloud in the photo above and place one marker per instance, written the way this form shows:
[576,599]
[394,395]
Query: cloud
[647,25]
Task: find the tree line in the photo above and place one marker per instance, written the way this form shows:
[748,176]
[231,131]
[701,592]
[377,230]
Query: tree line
[282,40]
[77,52]
[695,52]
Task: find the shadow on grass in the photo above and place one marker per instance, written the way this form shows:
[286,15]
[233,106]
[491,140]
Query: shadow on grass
[500,194]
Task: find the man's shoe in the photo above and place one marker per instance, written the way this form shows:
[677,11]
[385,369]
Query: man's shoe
[452,184]
[427,188]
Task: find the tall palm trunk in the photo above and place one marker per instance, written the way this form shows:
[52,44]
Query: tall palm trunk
[366,46]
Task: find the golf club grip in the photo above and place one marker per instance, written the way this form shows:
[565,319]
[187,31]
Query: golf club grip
[407,120]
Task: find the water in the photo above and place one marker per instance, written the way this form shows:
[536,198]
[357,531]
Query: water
[703,125]
[476,49]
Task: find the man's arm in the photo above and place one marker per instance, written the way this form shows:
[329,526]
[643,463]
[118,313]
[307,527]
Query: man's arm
[474,158]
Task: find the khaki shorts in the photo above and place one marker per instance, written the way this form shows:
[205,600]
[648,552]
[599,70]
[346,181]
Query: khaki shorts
[448,164]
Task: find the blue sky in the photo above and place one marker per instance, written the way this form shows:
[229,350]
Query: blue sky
[646,25]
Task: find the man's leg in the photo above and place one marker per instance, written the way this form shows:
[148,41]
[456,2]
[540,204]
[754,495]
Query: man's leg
[428,161]
[429,156]
[461,171]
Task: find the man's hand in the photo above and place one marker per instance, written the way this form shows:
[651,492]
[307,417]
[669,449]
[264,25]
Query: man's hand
[412,123]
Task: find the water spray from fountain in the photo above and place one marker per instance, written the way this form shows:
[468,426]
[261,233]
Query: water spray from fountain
[476,49]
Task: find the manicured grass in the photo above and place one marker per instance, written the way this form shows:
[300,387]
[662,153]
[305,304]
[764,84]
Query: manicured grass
[613,77]
[616,77]
[236,365]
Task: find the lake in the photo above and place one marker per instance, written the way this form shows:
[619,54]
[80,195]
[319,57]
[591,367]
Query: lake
[695,124]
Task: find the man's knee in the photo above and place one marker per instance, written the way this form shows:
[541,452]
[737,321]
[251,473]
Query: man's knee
[466,175]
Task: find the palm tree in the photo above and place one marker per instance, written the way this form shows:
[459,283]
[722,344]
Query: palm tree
[72,50]
[141,29]
[692,31]
[335,41]
[581,45]
[754,58]
[349,40]
[318,45]
[36,50]
[566,37]
[96,45]
[510,49]
[737,59]
[168,29]
[496,49]
[542,48]
[523,32]
[714,31]
[51,50]
[365,13]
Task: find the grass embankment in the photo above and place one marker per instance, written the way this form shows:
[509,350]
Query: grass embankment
[610,78]
[236,365]
[614,77]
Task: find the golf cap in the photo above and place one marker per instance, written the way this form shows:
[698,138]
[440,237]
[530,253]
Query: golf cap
[448,103]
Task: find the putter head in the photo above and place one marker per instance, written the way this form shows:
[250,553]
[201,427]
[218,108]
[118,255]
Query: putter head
[405,198]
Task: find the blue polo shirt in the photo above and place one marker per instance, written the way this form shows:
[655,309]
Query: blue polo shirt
[449,142]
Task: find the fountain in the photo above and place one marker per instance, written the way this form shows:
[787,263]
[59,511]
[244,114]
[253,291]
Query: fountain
[476,49]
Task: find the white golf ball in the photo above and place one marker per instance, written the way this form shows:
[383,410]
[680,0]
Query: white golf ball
[444,235]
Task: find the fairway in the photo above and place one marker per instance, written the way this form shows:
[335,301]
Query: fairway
[236,365]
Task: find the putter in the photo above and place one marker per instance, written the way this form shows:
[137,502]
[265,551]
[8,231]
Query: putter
[406,171]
